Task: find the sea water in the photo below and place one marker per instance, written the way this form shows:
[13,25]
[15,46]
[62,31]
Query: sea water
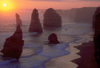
[36,51]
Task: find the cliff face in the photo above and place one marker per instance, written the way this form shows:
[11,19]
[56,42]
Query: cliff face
[84,14]
[35,25]
[52,19]
[13,45]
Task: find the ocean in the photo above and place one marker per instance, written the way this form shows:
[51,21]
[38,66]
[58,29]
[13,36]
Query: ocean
[36,52]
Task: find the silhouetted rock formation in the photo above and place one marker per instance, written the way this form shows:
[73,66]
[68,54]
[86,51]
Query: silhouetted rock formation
[94,16]
[53,39]
[35,25]
[18,20]
[52,19]
[13,45]
[97,27]
[96,23]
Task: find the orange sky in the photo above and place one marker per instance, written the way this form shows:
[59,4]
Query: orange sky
[56,4]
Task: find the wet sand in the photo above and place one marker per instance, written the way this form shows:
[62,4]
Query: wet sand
[64,61]
[87,59]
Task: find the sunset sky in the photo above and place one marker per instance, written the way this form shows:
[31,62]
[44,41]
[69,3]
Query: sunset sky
[44,4]
[57,4]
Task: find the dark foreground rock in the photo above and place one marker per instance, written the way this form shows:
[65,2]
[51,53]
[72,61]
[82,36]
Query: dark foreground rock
[52,19]
[53,39]
[87,60]
[18,20]
[96,23]
[35,25]
[13,45]
[96,26]
[94,16]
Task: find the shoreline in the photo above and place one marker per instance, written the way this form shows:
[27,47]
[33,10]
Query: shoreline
[64,61]
[87,59]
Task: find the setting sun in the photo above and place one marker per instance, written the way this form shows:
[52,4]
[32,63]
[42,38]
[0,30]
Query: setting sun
[6,5]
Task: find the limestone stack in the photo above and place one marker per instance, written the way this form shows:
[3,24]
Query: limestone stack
[52,18]
[13,45]
[35,25]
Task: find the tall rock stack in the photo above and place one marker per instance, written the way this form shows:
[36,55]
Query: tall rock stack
[18,20]
[35,25]
[13,45]
[52,19]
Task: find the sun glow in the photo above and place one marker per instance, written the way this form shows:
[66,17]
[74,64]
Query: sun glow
[6,5]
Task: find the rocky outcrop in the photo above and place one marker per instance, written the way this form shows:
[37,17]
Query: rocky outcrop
[18,20]
[94,17]
[35,25]
[53,39]
[13,45]
[84,14]
[52,19]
